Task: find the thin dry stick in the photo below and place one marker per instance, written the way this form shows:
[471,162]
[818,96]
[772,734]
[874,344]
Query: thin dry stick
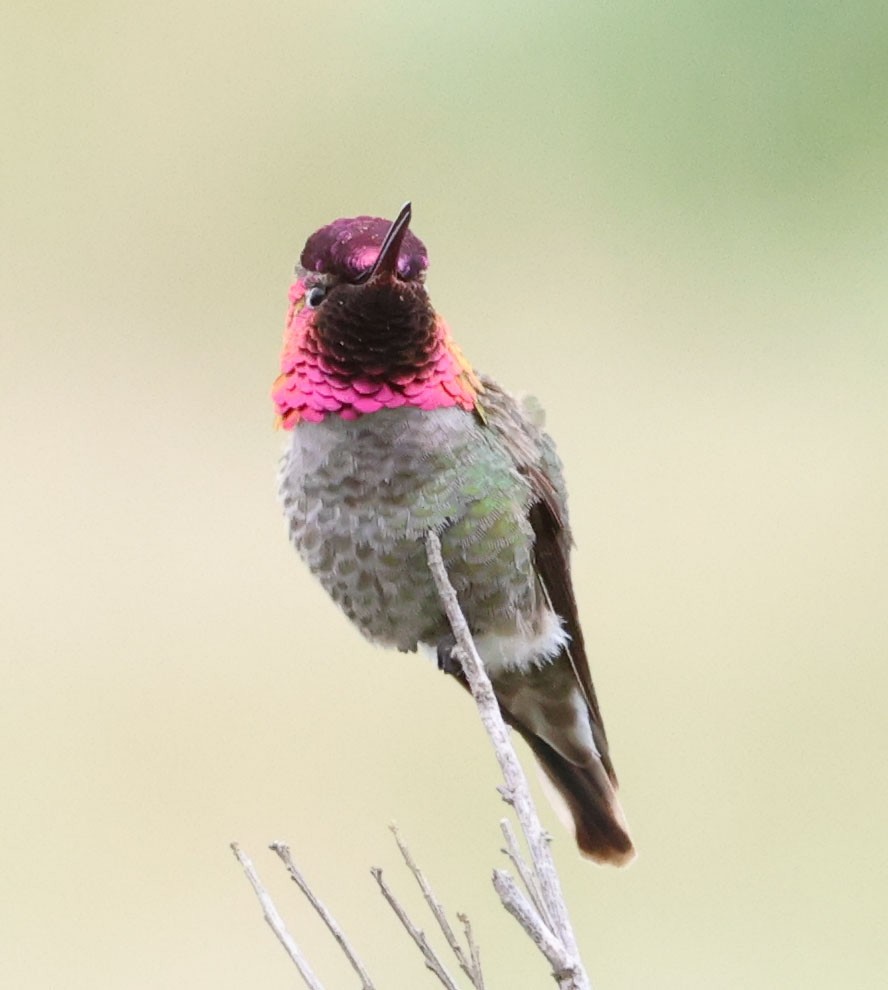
[474,951]
[431,960]
[573,975]
[527,916]
[275,921]
[283,851]
[467,964]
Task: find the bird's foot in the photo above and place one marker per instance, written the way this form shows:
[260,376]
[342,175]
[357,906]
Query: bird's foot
[447,660]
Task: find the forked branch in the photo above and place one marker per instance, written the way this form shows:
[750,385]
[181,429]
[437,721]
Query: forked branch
[541,911]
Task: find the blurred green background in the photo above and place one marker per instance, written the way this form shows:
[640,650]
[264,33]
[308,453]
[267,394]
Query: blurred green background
[666,220]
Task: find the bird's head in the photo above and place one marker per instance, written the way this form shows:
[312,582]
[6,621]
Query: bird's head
[361,332]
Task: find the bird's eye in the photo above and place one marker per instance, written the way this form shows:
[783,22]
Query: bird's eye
[315,296]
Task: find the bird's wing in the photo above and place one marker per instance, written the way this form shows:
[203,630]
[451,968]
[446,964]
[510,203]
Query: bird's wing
[518,425]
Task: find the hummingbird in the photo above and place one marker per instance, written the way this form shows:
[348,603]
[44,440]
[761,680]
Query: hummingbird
[395,434]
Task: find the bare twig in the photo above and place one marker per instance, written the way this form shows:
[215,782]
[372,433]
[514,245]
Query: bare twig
[572,976]
[283,852]
[431,959]
[474,951]
[469,965]
[275,921]
[528,917]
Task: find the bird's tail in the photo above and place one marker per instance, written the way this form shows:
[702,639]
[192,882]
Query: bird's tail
[561,723]
[601,830]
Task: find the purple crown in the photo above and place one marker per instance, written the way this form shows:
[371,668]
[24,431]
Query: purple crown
[349,246]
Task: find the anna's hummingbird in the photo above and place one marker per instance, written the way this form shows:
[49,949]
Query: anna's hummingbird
[395,434]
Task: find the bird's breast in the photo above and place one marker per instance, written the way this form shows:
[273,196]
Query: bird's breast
[360,496]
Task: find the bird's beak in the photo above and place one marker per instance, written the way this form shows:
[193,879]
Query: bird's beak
[387,262]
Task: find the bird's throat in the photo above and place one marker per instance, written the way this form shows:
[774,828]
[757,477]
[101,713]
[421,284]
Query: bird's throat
[351,363]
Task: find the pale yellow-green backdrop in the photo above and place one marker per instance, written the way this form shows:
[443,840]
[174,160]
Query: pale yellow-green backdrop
[668,220]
